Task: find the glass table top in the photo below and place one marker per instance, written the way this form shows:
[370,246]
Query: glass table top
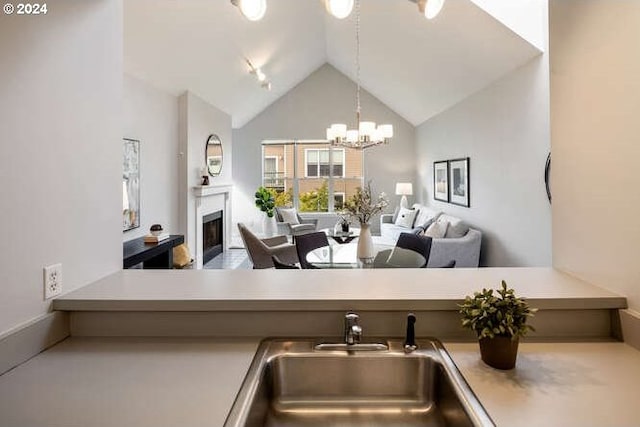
[345,256]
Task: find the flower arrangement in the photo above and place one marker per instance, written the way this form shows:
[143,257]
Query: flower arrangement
[363,206]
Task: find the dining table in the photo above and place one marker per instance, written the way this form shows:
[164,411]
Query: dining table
[346,256]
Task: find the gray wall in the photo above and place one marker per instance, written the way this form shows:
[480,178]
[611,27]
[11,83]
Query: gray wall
[326,96]
[504,129]
[60,151]
[595,100]
[151,116]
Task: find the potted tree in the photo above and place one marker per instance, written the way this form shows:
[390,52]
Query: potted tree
[499,320]
[266,203]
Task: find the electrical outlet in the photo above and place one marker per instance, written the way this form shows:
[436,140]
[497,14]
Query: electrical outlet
[52,281]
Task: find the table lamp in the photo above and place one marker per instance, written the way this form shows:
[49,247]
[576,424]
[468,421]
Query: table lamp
[404,189]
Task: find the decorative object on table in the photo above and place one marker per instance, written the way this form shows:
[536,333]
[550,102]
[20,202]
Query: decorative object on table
[204,174]
[441,181]
[156,238]
[363,207]
[156,230]
[213,156]
[131,184]
[344,220]
[404,189]
[498,321]
[459,181]
[266,203]
[367,134]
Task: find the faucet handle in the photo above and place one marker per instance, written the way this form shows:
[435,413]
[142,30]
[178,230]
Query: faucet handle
[410,340]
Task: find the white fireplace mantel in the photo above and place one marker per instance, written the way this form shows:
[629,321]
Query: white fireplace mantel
[209,199]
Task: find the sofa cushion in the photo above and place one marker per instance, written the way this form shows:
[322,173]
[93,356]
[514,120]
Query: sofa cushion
[437,230]
[289,215]
[405,218]
[456,229]
[425,216]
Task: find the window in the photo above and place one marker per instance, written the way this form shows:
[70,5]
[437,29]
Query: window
[311,175]
[317,162]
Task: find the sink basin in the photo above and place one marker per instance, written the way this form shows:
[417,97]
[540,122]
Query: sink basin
[296,383]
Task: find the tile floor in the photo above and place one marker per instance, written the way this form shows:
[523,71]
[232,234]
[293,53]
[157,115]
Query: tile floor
[233,259]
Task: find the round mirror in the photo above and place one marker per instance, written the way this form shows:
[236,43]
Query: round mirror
[213,155]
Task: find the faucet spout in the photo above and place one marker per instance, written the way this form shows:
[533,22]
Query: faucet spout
[352,330]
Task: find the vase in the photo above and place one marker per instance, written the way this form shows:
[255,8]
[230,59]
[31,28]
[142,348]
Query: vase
[365,244]
[269,225]
[345,227]
[499,352]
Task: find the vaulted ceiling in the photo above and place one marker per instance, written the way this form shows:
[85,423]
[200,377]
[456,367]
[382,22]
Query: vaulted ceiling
[417,67]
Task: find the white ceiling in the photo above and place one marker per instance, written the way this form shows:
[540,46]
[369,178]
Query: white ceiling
[417,67]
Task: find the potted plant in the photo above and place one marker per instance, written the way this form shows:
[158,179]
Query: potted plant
[499,320]
[266,203]
[343,222]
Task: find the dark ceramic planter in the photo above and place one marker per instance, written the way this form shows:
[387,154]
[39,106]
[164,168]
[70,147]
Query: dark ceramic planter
[499,352]
[345,227]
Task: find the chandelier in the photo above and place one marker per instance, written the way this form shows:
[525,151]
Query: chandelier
[367,134]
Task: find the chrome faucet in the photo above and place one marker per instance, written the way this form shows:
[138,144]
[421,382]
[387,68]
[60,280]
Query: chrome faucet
[352,331]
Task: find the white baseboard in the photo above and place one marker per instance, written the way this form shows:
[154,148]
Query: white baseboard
[630,324]
[27,340]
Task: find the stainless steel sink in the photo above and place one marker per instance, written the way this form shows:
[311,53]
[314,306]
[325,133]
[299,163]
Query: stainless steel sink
[298,383]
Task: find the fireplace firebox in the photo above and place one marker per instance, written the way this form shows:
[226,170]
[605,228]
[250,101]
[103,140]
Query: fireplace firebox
[212,236]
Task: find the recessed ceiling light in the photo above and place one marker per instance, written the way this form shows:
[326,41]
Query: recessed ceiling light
[253,10]
[339,8]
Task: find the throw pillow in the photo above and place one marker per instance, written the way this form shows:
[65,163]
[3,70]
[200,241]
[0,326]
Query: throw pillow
[425,216]
[437,230]
[405,218]
[289,215]
[457,228]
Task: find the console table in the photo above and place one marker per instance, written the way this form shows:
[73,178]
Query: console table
[151,255]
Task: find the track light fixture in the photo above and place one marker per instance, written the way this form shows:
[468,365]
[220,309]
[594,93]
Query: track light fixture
[339,8]
[430,8]
[262,78]
[253,10]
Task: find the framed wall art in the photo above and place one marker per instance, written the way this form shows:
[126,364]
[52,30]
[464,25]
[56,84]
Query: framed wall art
[459,182]
[441,181]
[131,184]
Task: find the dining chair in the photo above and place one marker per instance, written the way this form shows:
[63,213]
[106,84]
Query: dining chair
[279,265]
[260,251]
[305,243]
[416,243]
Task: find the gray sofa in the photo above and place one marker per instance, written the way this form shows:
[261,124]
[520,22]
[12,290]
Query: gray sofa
[462,244]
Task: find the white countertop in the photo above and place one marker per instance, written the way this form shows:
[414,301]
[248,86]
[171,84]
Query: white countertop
[159,382]
[324,290]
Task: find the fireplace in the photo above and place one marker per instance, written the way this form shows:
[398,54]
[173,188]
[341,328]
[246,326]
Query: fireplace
[212,236]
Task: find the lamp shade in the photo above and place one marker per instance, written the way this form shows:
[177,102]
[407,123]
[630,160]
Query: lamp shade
[404,189]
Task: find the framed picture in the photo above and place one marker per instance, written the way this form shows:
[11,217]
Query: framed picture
[459,181]
[131,184]
[441,181]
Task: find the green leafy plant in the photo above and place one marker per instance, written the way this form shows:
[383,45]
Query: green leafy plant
[492,314]
[315,200]
[265,201]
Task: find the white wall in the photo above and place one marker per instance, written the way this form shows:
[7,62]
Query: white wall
[198,120]
[595,102]
[60,151]
[326,96]
[151,116]
[504,129]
